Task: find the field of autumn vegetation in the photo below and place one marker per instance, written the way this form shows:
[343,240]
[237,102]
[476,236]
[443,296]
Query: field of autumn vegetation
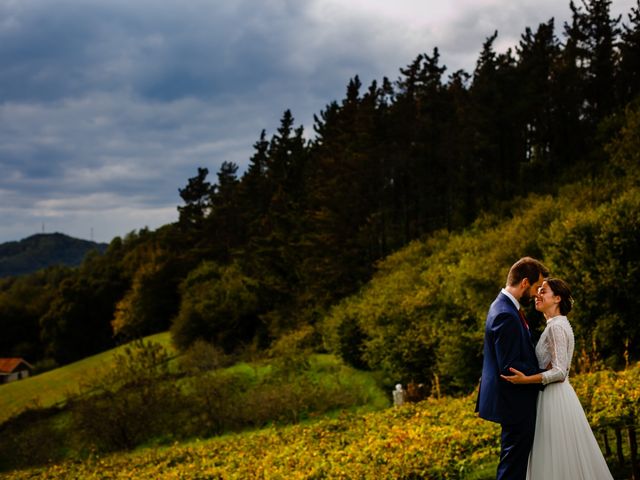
[432,439]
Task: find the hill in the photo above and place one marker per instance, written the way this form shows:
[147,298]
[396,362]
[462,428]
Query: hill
[137,395]
[431,297]
[51,388]
[42,250]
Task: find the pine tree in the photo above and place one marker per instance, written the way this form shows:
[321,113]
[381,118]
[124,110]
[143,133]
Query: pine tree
[629,68]
[197,197]
[273,256]
[458,141]
[538,54]
[499,125]
[593,35]
[225,224]
[346,232]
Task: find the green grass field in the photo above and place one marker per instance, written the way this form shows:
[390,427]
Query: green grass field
[51,388]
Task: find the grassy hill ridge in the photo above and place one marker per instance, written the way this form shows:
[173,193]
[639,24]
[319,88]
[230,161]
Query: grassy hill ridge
[52,387]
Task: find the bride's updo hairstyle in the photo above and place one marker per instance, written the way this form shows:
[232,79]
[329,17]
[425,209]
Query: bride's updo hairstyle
[562,290]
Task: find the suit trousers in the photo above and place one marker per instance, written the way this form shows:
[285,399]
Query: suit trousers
[516,442]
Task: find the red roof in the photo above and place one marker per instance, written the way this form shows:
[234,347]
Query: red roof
[8,365]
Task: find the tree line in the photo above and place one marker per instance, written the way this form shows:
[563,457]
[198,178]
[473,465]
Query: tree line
[258,254]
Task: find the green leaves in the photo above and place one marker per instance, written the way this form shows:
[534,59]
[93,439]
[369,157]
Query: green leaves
[219,304]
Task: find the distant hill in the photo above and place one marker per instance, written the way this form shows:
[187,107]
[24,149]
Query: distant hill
[43,250]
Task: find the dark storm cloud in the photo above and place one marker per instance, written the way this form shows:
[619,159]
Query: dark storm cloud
[107,107]
[159,50]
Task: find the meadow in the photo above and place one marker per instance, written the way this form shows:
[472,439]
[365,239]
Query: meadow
[432,439]
[53,387]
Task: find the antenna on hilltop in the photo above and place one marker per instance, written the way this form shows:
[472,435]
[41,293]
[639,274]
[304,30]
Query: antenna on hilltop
[92,234]
[42,227]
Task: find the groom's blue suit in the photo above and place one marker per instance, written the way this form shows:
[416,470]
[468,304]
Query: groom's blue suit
[507,343]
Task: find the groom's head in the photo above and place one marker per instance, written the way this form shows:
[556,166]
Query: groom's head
[525,277]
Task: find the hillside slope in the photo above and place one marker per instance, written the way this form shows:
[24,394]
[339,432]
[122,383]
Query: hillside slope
[431,297]
[52,387]
[437,438]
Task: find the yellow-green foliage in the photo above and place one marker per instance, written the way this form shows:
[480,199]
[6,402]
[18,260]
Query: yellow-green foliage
[52,387]
[422,315]
[434,439]
[610,398]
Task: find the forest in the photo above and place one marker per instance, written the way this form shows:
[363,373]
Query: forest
[384,234]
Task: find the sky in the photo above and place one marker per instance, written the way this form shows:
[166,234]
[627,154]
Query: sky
[108,107]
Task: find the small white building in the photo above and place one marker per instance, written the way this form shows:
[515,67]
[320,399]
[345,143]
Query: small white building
[14,369]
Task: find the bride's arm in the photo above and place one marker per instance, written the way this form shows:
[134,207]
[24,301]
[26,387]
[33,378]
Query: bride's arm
[556,370]
[558,347]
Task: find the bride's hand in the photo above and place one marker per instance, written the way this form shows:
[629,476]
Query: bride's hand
[518,376]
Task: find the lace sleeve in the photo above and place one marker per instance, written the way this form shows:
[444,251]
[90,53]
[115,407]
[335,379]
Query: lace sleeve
[558,345]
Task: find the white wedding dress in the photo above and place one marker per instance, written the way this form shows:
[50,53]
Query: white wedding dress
[564,447]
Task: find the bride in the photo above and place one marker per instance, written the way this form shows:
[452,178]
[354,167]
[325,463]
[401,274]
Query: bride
[564,446]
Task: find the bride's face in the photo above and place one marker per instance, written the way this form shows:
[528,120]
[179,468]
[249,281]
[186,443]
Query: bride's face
[531,291]
[546,300]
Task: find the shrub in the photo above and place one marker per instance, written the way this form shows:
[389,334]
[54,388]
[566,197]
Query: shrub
[128,404]
[219,305]
[32,438]
[202,356]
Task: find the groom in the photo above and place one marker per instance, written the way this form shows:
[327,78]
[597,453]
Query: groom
[507,343]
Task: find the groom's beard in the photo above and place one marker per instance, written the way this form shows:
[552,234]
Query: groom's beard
[525,299]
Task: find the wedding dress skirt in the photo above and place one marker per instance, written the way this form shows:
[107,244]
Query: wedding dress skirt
[564,447]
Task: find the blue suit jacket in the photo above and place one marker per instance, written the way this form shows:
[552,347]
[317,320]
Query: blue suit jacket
[507,343]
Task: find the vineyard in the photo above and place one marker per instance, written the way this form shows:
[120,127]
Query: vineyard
[433,439]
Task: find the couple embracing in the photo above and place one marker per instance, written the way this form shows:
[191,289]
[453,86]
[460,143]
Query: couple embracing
[525,388]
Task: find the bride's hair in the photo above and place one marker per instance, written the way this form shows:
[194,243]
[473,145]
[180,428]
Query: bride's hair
[562,290]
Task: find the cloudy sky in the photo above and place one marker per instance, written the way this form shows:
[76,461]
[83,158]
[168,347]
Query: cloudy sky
[107,107]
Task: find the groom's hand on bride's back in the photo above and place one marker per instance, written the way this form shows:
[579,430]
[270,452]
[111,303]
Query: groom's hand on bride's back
[517,376]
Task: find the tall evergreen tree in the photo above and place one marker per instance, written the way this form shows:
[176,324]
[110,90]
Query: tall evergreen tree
[197,197]
[346,234]
[538,54]
[499,125]
[225,223]
[253,192]
[274,257]
[458,143]
[629,68]
[420,176]
[593,34]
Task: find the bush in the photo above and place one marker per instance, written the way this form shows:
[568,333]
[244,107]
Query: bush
[215,403]
[283,392]
[202,356]
[130,403]
[598,253]
[219,305]
[32,438]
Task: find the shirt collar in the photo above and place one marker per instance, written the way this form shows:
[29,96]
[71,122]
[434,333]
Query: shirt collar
[512,298]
